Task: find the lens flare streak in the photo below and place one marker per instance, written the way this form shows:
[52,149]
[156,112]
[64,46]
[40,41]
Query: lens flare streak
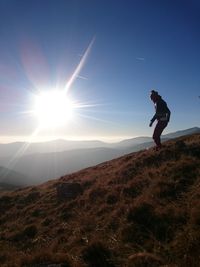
[75,75]
[22,150]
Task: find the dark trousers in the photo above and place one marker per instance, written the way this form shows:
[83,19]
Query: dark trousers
[160,126]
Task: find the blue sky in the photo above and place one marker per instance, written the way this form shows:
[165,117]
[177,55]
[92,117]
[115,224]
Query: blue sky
[139,45]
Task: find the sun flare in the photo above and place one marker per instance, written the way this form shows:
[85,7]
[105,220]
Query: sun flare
[53,109]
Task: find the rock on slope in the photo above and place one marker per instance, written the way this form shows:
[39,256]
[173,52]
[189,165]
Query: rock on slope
[142,209]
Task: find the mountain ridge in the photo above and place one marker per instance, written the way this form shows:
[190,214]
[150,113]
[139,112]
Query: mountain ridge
[59,145]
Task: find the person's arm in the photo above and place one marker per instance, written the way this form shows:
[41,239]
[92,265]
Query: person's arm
[152,120]
[168,115]
[154,117]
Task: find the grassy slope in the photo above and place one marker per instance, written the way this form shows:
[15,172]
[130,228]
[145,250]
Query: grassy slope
[143,207]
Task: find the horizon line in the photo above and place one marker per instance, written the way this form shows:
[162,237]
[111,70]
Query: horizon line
[109,139]
[8,139]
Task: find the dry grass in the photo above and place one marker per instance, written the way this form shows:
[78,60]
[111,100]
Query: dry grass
[142,209]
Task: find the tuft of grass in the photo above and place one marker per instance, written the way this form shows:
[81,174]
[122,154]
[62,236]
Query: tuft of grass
[98,255]
[97,194]
[45,257]
[135,187]
[112,199]
[186,247]
[133,233]
[47,222]
[144,259]
[149,222]
[29,232]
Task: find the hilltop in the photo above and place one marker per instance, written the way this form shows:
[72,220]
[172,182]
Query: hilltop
[141,209]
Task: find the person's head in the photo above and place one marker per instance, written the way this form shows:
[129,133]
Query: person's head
[154,96]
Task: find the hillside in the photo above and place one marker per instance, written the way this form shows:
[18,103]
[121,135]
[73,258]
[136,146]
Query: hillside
[140,210]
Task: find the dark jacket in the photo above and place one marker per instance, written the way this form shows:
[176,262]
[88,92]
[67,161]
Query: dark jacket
[162,111]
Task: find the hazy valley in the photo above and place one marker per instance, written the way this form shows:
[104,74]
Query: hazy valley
[39,162]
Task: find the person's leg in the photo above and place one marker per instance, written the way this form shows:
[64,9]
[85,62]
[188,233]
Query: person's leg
[160,126]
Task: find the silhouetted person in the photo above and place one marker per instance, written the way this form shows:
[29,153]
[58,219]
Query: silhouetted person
[162,115]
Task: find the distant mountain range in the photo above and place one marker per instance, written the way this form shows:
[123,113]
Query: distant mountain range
[19,148]
[182,133]
[38,162]
[145,139]
[10,179]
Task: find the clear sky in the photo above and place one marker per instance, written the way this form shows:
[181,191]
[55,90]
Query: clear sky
[135,46]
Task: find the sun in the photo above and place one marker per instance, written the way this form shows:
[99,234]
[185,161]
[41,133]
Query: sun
[53,109]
